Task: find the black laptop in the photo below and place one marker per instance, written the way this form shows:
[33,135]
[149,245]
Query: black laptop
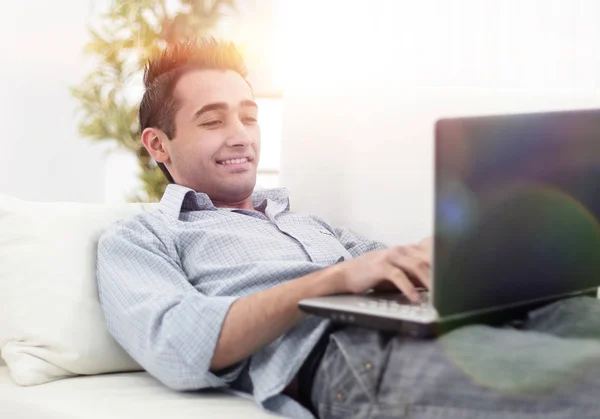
[516,225]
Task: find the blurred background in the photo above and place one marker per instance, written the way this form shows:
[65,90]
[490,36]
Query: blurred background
[300,54]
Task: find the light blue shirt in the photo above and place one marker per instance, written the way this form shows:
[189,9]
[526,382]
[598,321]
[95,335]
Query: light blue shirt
[168,277]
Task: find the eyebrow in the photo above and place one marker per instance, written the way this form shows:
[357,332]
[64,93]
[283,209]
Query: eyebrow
[222,106]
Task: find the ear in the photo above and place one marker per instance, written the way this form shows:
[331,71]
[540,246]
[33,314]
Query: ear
[154,140]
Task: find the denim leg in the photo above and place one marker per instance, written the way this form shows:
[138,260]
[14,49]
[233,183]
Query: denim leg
[577,318]
[472,372]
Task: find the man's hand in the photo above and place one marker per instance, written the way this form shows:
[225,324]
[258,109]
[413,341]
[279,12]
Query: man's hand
[399,267]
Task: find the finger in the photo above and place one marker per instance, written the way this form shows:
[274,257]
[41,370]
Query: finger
[408,258]
[399,278]
[422,271]
[417,268]
[420,252]
[427,243]
[413,250]
[386,285]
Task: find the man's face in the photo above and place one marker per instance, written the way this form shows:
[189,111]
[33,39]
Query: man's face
[216,122]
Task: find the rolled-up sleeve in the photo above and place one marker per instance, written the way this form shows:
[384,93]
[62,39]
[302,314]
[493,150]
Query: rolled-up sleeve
[356,244]
[154,313]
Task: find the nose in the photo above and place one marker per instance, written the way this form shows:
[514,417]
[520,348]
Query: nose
[239,135]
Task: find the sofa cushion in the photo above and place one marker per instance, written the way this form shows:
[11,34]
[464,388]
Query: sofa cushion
[132,395]
[51,323]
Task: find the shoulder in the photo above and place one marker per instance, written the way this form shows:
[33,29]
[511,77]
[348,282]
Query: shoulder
[143,226]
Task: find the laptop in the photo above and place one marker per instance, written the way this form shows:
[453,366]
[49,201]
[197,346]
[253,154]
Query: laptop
[516,225]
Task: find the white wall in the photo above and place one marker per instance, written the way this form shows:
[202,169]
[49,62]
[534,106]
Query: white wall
[41,156]
[364,157]
[360,103]
[477,43]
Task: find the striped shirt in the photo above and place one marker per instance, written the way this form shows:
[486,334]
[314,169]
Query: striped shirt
[168,277]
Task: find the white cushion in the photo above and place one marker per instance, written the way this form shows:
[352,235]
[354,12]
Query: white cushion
[51,324]
[133,395]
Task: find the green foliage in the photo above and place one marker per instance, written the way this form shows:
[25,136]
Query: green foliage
[121,43]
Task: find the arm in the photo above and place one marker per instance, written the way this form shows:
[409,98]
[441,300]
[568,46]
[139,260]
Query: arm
[154,313]
[278,306]
[179,335]
[260,318]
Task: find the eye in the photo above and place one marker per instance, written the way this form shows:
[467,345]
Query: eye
[211,124]
[250,120]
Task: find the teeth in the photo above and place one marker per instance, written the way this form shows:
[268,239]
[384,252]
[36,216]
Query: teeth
[234,161]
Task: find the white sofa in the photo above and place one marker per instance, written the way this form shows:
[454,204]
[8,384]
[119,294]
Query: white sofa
[62,363]
[117,396]
[364,161]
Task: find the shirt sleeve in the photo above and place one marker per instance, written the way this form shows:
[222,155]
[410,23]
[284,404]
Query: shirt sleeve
[356,244]
[154,313]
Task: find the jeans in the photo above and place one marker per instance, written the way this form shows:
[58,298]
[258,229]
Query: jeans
[549,367]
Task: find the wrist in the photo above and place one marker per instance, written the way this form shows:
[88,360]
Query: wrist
[334,281]
[327,281]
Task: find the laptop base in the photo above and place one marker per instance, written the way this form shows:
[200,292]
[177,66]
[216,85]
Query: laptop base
[423,328]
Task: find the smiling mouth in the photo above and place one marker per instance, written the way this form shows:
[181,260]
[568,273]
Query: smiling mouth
[234,162]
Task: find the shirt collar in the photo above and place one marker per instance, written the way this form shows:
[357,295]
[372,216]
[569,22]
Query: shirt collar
[177,199]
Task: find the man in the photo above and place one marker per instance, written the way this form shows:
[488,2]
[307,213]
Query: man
[203,292]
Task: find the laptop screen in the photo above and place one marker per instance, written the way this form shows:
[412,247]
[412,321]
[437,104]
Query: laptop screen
[517,208]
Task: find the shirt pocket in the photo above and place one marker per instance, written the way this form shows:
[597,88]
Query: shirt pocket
[322,245]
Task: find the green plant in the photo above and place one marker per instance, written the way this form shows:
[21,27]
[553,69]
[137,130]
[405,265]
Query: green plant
[121,43]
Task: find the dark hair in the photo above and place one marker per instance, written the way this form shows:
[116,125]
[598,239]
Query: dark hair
[159,103]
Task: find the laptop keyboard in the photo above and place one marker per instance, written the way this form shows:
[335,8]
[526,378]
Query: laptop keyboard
[404,305]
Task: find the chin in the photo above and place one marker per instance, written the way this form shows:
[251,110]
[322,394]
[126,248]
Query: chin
[243,187]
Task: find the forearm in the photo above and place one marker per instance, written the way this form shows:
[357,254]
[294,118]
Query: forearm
[256,320]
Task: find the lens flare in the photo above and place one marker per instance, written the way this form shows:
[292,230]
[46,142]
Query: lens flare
[552,238]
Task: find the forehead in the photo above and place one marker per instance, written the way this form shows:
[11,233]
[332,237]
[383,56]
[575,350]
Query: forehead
[198,88]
